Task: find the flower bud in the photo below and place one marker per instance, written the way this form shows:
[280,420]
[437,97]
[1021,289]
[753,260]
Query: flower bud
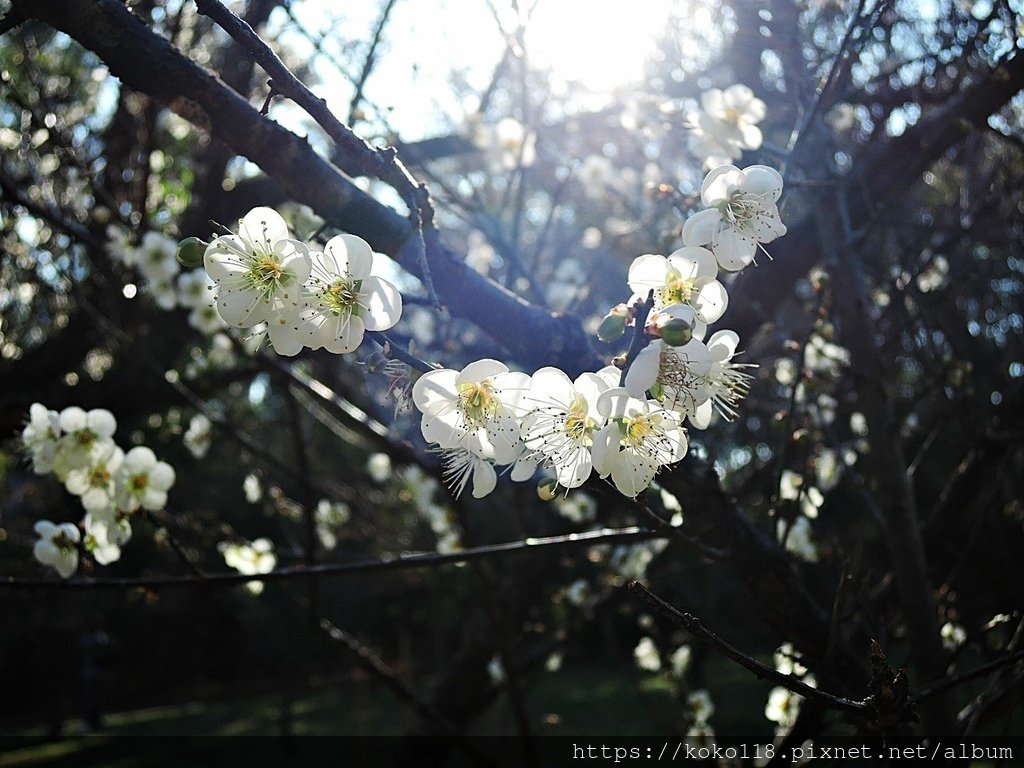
[614,324]
[676,332]
[547,489]
[190,252]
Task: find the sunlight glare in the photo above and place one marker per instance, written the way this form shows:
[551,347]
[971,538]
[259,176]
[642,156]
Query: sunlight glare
[600,44]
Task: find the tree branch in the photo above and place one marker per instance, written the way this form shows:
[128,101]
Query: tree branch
[147,63]
[387,563]
[693,625]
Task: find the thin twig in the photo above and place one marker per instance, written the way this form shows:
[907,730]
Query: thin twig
[694,626]
[380,669]
[396,351]
[386,563]
[949,682]
[368,62]
[359,156]
[641,309]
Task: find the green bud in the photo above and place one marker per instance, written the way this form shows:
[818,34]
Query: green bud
[191,251]
[547,489]
[676,332]
[611,328]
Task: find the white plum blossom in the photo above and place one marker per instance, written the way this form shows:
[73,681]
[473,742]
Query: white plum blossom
[198,436]
[677,376]
[726,124]
[96,482]
[741,214]
[461,465]
[378,466]
[640,438]
[146,481]
[686,276]
[120,246]
[475,409]
[330,516]
[40,437]
[710,140]
[258,272]
[85,434]
[680,660]
[206,319]
[562,421]
[341,301]
[105,534]
[252,488]
[577,508]
[78,447]
[782,707]
[726,384]
[156,258]
[194,288]
[646,655]
[250,558]
[57,546]
[787,660]
[953,636]
[700,705]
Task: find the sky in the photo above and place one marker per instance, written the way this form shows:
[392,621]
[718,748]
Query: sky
[599,44]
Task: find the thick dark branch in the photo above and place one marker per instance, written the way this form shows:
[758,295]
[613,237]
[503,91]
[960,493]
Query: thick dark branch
[147,63]
[693,625]
[389,563]
[362,159]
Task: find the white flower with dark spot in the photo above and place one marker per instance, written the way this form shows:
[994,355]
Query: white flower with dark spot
[640,437]
[40,437]
[741,214]
[258,272]
[57,546]
[85,434]
[563,418]
[340,303]
[145,481]
[686,276]
[475,409]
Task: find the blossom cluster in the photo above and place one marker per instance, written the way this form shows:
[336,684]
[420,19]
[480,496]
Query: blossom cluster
[155,258]
[306,297]
[78,447]
[249,558]
[725,124]
[622,427]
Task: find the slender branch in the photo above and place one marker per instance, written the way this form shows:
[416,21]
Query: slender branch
[393,350]
[299,445]
[357,155]
[950,682]
[641,309]
[386,563]
[369,61]
[378,667]
[694,626]
[833,74]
